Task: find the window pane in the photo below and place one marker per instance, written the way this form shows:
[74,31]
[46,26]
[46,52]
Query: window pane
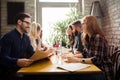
[55,14]
[58,0]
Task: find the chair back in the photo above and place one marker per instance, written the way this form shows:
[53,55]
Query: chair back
[112,49]
[0,45]
[116,64]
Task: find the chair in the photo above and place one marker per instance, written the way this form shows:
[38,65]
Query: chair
[112,49]
[0,45]
[116,64]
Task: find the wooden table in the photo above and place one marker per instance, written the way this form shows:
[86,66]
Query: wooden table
[46,67]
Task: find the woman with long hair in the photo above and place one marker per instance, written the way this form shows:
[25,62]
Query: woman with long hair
[95,47]
[34,35]
[71,36]
[35,38]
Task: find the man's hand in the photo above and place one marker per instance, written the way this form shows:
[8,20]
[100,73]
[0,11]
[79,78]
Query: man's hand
[24,62]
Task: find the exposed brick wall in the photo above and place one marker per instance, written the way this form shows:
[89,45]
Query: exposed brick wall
[87,6]
[111,20]
[29,8]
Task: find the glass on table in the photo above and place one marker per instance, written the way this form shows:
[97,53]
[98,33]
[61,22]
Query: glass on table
[57,55]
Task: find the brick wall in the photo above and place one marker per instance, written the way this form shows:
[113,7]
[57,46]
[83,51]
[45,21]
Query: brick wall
[29,8]
[111,20]
[87,6]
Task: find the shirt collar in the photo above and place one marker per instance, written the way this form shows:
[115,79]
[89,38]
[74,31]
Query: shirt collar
[19,33]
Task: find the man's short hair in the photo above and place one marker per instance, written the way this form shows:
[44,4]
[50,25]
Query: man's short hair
[21,16]
[77,23]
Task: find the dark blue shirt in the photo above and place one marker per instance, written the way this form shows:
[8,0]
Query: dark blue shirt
[13,47]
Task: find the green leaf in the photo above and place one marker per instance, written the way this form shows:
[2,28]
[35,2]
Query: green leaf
[59,29]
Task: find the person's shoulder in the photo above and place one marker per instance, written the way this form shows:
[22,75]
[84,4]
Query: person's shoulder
[98,36]
[7,37]
[9,34]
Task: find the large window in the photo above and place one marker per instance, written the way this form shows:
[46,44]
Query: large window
[51,11]
[48,20]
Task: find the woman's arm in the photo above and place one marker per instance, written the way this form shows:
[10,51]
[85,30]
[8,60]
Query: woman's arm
[79,60]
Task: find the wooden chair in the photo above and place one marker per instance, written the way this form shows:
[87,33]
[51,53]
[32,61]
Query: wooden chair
[112,49]
[116,64]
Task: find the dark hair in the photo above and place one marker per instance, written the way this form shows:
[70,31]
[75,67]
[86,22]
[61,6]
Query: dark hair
[75,33]
[77,23]
[70,26]
[21,16]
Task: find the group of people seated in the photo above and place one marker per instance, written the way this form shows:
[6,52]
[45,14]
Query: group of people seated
[89,44]
[18,45]
[87,41]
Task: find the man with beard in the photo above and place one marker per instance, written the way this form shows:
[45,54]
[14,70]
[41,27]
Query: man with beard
[16,48]
[77,30]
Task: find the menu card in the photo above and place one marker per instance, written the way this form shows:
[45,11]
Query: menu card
[73,66]
[38,55]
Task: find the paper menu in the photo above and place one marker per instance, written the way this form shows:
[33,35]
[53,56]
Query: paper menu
[38,55]
[73,66]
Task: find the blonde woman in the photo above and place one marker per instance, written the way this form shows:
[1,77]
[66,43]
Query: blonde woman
[95,47]
[34,34]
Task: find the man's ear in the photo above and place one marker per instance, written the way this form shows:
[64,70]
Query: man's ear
[19,22]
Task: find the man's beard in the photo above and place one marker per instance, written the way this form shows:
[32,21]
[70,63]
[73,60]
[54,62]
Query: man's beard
[22,29]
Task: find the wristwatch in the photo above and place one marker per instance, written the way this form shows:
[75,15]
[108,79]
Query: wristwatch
[83,61]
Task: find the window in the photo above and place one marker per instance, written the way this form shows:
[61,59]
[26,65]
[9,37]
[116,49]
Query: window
[55,14]
[51,11]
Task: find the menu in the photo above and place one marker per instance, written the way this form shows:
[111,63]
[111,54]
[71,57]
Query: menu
[38,55]
[73,66]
